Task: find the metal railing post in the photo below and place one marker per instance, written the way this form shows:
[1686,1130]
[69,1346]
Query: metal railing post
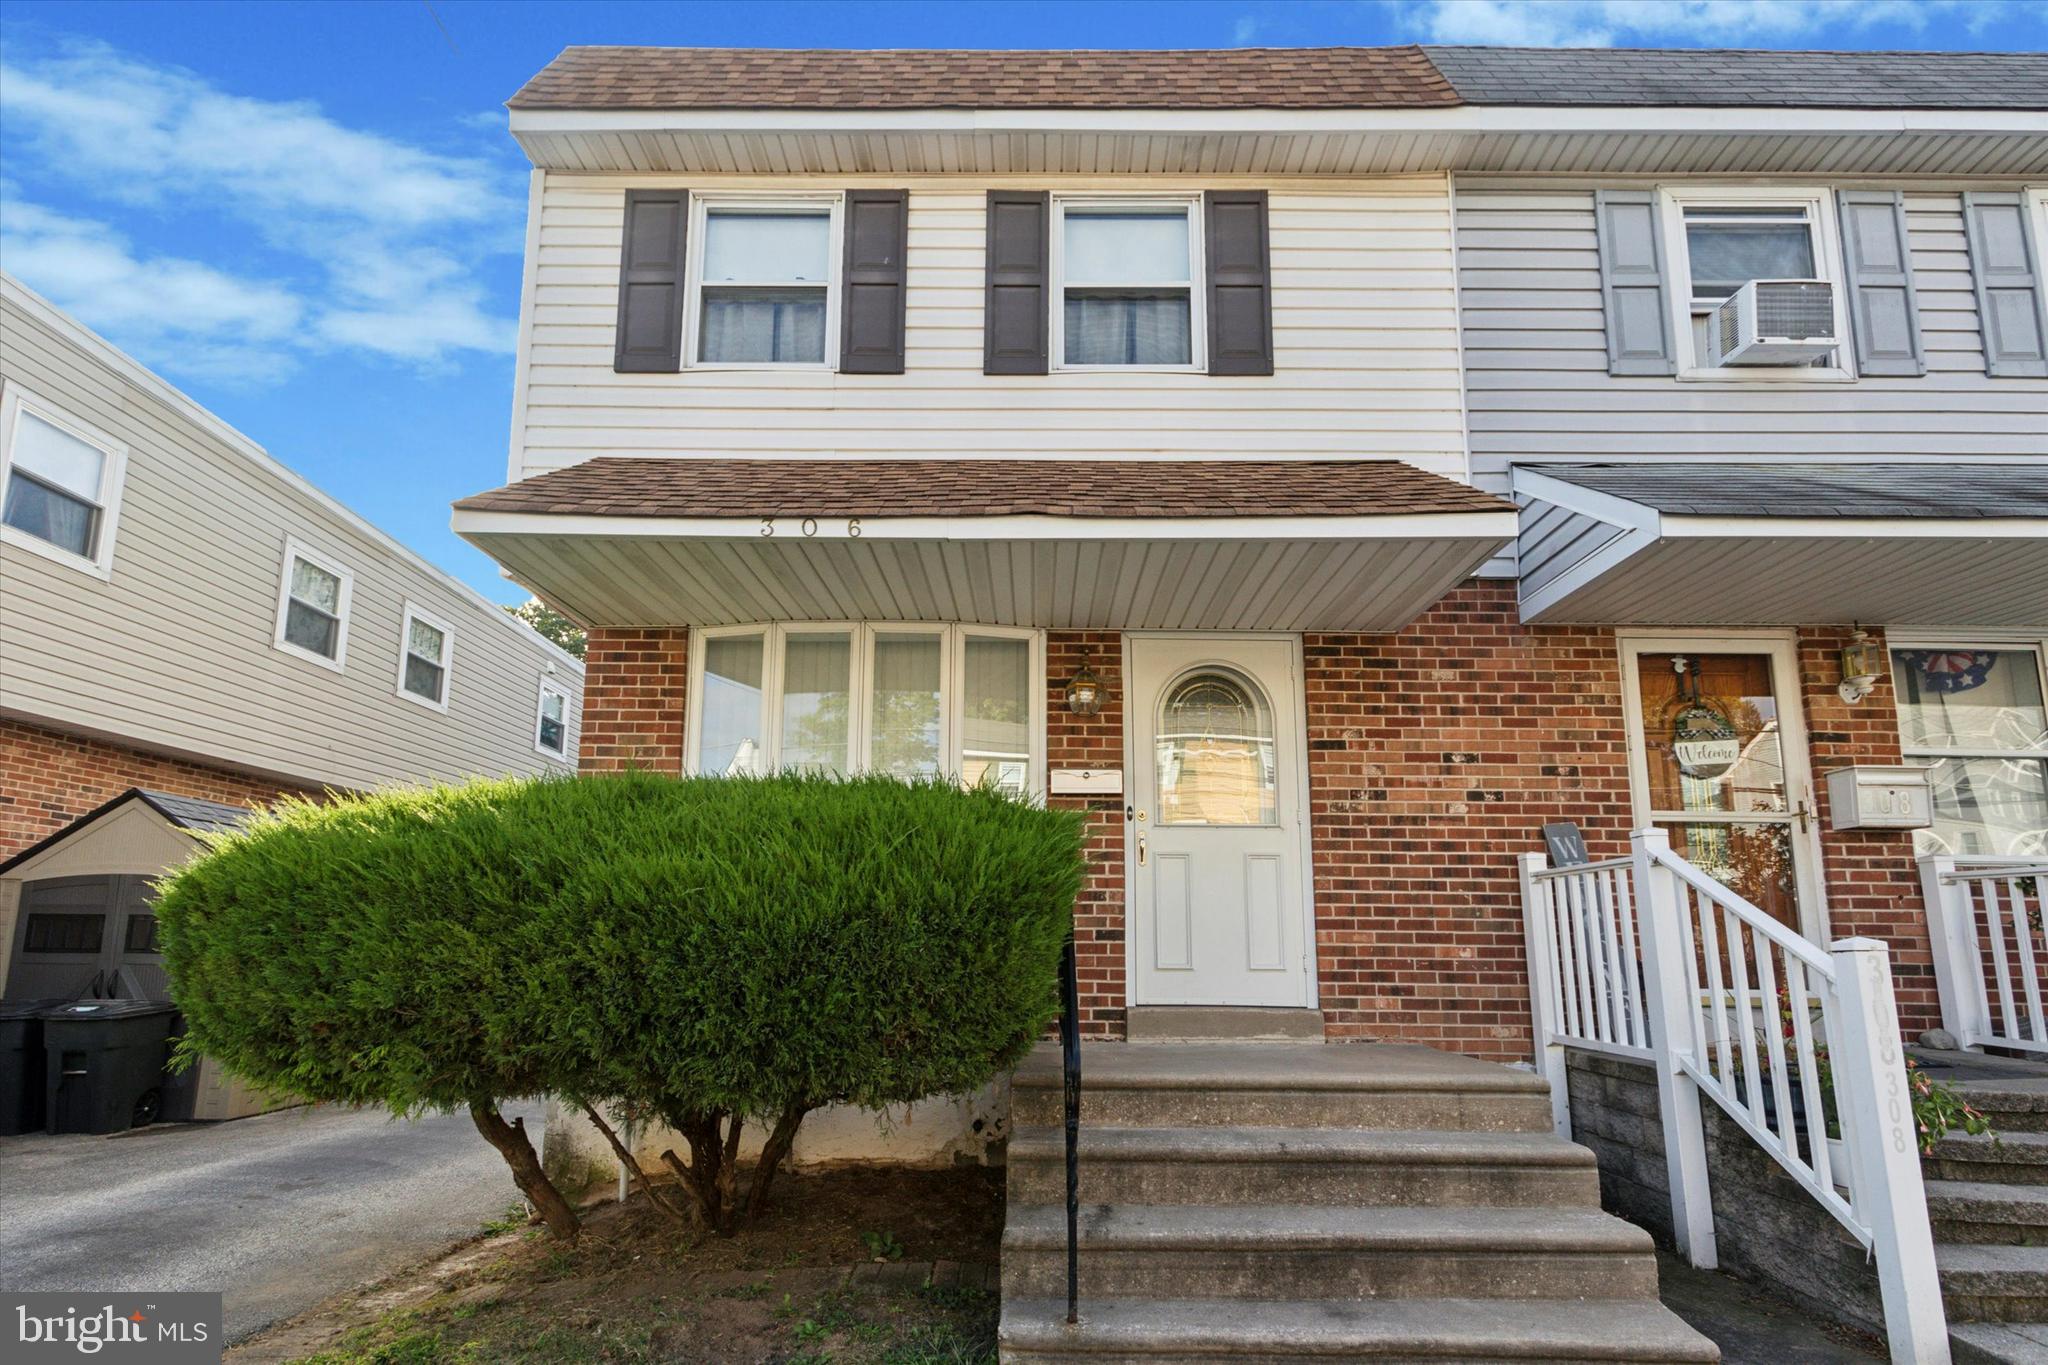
[1876,1103]
[1671,1007]
[1537,937]
[1070,1073]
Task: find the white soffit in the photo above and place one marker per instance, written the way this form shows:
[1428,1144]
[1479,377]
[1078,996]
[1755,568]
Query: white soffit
[1590,558]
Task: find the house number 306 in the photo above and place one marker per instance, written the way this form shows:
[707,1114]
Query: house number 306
[810,527]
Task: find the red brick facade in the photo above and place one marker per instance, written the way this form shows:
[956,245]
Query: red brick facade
[49,778]
[635,683]
[1095,741]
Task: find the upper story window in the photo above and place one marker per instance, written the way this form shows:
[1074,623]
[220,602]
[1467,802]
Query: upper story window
[551,721]
[1721,238]
[425,654]
[1126,277]
[312,606]
[764,286]
[62,484]
[1727,244]
[1975,710]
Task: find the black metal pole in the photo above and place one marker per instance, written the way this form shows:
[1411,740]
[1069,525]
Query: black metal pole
[1070,1069]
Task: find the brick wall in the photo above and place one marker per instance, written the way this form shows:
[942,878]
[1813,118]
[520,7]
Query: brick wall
[635,681]
[49,778]
[1096,741]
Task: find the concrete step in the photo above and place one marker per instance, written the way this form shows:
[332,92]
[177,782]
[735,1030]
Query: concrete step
[1980,1212]
[1112,1331]
[1285,1085]
[1332,1166]
[1998,1343]
[1303,1252]
[1993,1283]
[1215,1023]
[1998,1158]
[2012,1106]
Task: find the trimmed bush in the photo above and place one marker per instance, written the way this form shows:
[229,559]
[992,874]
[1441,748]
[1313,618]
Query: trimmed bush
[707,951]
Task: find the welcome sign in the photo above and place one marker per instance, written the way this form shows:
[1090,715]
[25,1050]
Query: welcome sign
[1704,743]
[168,1329]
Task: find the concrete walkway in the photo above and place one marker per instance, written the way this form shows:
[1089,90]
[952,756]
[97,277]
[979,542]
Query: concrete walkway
[1750,1326]
[278,1212]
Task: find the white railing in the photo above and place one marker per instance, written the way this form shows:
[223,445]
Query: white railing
[1985,919]
[1650,958]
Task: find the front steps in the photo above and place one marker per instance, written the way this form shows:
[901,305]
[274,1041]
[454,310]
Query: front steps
[1278,1201]
[1987,1198]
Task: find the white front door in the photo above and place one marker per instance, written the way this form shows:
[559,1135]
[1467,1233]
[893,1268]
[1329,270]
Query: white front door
[1219,849]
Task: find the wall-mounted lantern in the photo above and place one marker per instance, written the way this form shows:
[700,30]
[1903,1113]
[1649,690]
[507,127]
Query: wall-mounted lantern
[1861,667]
[1084,691]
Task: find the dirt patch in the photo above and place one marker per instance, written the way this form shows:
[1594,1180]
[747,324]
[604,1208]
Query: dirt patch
[861,1264]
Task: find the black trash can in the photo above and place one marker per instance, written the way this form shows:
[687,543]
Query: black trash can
[104,1063]
[21,1065]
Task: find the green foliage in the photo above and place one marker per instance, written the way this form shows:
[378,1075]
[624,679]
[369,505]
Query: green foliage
[1938,1109]
[550,624]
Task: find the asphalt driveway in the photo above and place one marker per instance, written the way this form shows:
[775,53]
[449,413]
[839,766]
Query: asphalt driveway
[278,1212]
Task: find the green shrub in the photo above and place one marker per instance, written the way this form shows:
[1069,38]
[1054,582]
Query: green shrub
[706,951]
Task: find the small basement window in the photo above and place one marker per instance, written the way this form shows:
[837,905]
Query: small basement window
[1127,272]
[425,649]
[765,281]
[312,607]
[62,483]
[551,724]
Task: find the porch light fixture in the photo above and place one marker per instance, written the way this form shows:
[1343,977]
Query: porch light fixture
[1084,691]
[1859,668]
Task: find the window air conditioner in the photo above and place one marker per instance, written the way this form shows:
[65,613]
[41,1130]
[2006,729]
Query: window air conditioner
[1774,322]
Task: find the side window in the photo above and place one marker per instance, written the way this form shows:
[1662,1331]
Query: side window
[1127,284]
[312,607]
[60,484]
[426,650]
[551,722]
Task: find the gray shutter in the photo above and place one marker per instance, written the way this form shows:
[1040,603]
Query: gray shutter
[1884,315]
[1014,326]
[650,329]
[871,306]
[2008,274]
[1240,272]
[1632,283]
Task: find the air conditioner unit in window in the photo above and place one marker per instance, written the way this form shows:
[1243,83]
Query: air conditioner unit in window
[1774,322]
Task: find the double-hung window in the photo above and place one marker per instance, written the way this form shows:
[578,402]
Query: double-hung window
[1722,237]
[1974,710]
[60,484]
[426,652]
[312,607]
[764,281]
[551,721]
[1127,275]
[909,700]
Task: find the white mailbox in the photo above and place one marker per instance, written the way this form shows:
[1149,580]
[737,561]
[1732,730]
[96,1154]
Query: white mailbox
[1087,781]
[1880,798]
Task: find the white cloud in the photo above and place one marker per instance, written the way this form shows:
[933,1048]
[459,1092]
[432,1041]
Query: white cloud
[1717,23]
[378,234]
[1245,31]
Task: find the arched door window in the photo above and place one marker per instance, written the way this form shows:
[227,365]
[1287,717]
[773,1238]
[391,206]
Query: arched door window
[1214,752]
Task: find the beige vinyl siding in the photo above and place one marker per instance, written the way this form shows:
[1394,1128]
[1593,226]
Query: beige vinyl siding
[1364,327]
[175,652]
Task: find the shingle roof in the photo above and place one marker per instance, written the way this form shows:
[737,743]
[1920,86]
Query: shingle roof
[776,78]
[186,812]
[1692,76]
[1714,489]
[619,486]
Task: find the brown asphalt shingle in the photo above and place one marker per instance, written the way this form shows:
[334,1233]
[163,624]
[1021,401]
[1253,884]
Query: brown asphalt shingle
[617,486]
[778,78]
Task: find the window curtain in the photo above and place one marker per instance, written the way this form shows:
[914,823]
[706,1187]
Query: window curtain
[761,326]
[904,724]
[49,515]
[996,714]
[1149,329]
[816,672]
[730,718]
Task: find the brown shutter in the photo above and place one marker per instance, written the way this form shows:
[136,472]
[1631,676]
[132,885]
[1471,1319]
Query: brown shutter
[650,329]
[872,301]
[1014,325]
[1240,282]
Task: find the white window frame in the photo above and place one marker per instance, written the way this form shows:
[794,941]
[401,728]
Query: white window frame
[446,661]
[1198,318]
[2035,641]
[701,203]
[952,683]
[1827,264]
[15,400]
[549,687]
[295,548]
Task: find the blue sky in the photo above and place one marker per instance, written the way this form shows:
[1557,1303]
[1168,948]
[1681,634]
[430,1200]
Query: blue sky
[309,216]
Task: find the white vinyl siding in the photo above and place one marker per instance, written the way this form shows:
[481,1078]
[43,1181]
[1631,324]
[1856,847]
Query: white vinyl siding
[176,650]
[1366,357]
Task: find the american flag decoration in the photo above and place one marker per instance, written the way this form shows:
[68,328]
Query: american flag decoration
[1950,670]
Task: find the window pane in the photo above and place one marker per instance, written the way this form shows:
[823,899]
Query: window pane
[310,629]
[1754,861]
[1989,805]
[767,248]
[422,679]
[1965,698]
[141,936]
[995,737]
[1724,255]
[1128,329]
[58,933]
[817,669]
[905,717]
[1125,246]
[731,709]
[49,515]
[752,326]
[552,705]
[1214,753]
[316,587]
[424,640]
[553,734]
[1710,733]
[57,457]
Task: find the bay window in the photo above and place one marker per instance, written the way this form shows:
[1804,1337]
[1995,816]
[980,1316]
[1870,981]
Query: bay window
[908,700]
[1974,710]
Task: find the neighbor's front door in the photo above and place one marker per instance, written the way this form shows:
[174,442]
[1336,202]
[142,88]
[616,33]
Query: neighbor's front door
[1218,845]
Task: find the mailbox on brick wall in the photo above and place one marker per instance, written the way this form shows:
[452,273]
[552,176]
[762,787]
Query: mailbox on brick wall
[1880,798]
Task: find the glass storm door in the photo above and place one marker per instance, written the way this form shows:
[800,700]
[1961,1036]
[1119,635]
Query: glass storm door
[1218,854]
[1717,759]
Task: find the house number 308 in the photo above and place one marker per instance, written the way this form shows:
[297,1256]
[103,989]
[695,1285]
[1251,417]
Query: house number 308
[810,527]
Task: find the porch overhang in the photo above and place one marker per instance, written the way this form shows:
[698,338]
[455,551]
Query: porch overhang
[1724,543]
[1114,545]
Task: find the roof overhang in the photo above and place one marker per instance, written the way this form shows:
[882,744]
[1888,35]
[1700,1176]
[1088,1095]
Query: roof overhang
[1591,557]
